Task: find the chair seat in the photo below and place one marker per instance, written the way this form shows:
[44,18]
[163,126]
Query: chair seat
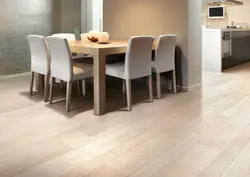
[155,69]
[82,70]
[116,70]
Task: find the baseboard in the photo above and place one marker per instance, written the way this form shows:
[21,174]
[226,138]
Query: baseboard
[165,83]
[186,89]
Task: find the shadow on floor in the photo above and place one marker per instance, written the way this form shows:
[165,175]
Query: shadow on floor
[116,99]
[36,97]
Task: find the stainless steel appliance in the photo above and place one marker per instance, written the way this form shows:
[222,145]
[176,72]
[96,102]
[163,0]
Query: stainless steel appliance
[226,44]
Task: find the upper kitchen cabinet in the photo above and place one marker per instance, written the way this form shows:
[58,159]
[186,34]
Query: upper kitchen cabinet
[91,15]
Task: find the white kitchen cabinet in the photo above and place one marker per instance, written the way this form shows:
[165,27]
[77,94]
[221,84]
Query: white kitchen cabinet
[224,48]
[212,50]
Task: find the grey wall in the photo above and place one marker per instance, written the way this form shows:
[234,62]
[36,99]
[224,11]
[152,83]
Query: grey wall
[18,18]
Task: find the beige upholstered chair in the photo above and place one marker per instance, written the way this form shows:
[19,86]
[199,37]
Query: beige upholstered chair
[63,68]
[40,61]
[165,59]
[137,64]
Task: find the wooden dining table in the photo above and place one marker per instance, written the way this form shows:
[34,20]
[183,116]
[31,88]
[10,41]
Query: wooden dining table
[99,53]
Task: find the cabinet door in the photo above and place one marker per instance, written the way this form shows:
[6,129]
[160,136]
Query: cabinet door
[241,45]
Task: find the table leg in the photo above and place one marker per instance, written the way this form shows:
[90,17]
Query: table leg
[39,82]
[100,84]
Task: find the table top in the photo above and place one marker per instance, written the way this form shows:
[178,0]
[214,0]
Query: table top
[88,44]
[94,48]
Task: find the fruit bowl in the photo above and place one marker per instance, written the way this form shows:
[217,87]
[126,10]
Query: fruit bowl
[95,36]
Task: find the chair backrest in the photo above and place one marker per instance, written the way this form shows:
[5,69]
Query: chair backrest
[138,57]
[77,34]
[165,53]
[61,60]
[40,55]
[68,36]
[84,37]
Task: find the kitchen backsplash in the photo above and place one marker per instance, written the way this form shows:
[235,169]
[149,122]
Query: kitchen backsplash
[233,13]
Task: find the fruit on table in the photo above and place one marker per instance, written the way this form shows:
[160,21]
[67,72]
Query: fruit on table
[95,36]
[93,39]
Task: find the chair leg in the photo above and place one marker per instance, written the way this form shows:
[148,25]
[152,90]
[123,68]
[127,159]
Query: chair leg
[123,86]
[41,81]
[83,87]
[78,87]
[46,88]
[61,84]
[174,82]
[68,96]
[52,80]
[31,83]
[129,99]
[150,85]
[92,80]
[158,85]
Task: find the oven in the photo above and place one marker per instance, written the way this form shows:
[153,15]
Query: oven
[226,44]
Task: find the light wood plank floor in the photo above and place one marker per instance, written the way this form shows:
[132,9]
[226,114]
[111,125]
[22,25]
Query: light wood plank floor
[202,133]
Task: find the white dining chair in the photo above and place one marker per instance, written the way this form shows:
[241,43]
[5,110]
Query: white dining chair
[164,60]
[63,68]
[77,57]
[72,37]
[68,36]
[84,37]
[40,61]
[137,65]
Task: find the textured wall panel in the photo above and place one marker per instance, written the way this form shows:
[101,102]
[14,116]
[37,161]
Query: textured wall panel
[18,18]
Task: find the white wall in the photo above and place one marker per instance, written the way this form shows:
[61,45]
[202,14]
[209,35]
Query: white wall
[125,18]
